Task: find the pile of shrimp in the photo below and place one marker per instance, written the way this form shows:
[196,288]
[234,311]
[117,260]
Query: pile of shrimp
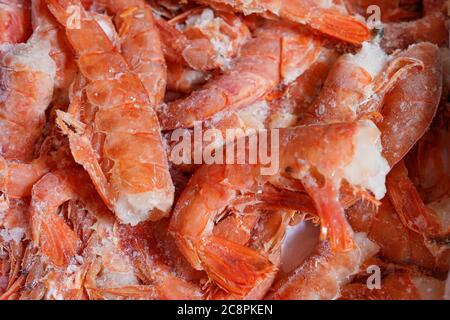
[94,206]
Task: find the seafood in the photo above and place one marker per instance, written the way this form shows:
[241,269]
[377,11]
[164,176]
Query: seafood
[224,149]
[47,29]
[261,65]
[140,44]
[399,285]
[391,10]
[357,85]
[15,21]
[205,39]
[324,273]
[28,75]
[226,182]
[134,180]
[327,18]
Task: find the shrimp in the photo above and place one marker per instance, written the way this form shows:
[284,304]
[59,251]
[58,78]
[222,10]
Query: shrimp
[391,10]
[429,221]
[397,243]
[204,38]
[50,232]
[428,164]
[398,285]
[214,187]
[328,19]
[263,62]
[324,273]
[15,21]
[144,250]
[131,172]
[431,28]
[47,29]
[357,84]
[28,75]
[140,44]
[184,79]
[407,106]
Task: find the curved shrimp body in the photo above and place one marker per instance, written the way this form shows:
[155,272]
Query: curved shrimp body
[398,285]
[356,85]
[406,106]
[323,275]
[134,180]
[47,29]
[27,75]
[263,62]
[15,21]
[331,20]
[140,44]
[306,153]
[206,39]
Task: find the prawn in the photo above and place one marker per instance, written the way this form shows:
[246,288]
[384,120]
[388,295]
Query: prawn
[328,19]
[430,221]
[131,172]
[398,285]
[15,21]
[206,39]
[263,62]
[431,28]
[397,243]
[324,274]
[391,10]
[28,75]
[357,84]
[213,187]
[47,29]
[140,44]
[405,100]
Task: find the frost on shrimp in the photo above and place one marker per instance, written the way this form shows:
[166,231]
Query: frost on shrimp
[15,24]
[323,275]
[323,16]
[278,51]
[304,157]
[130,168]
[28,75]
[357,84]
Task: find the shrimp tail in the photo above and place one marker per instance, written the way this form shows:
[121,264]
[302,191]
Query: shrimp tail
[340,26]
[233,267]
[334,225]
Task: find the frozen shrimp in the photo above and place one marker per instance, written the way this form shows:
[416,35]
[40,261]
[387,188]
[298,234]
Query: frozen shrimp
[28,75]
[398,285]
[329,19]
[263,62]
[15,21]
[131,172]
[226,182]
[324,273]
